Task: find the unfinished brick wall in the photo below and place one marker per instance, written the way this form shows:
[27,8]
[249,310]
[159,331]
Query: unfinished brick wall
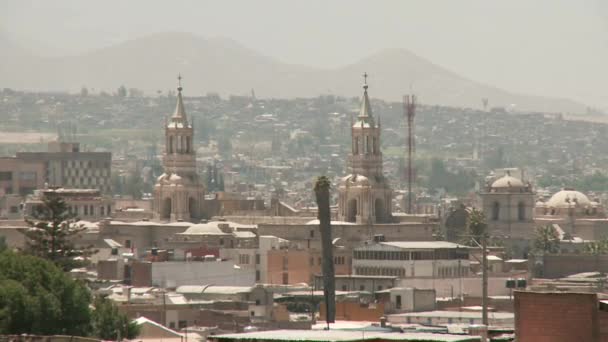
[556,317]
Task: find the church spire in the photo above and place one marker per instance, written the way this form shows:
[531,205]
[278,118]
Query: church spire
[180,113]
[365,113]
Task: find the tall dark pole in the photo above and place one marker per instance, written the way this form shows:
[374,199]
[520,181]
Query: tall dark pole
[409,106]
[484,283]
[329,289]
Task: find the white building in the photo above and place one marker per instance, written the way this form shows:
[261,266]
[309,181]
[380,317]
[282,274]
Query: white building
[408,259]
[173,274]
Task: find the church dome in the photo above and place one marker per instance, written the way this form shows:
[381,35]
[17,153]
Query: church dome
[569,198]
[507,181]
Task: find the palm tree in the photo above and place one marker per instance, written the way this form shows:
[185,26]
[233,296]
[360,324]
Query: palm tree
[322,186]
[546,239]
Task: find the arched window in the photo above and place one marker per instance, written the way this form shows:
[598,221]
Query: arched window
[521,211]
[170,144]
[374,145]
[495,211]
[356,147]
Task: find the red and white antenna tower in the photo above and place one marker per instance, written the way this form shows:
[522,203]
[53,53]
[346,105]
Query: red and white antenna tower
[409,111]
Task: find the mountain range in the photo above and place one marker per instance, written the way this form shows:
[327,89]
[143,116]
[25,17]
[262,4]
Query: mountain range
[224,66]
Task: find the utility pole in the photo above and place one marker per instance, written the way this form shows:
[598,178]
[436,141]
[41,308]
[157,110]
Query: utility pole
[484,283]
[409,109]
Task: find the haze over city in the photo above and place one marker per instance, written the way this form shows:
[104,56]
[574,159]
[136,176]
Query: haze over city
[547,48]
[288,171]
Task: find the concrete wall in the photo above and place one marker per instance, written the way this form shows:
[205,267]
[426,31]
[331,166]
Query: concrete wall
[446,287]
[309,235]
[172,274]
[558,266]
[413,299]
[556,317]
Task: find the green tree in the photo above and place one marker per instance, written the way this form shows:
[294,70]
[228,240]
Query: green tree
[84,92]
[122,91]
[52,234]
[224,145]
[598,247]
[546,239]
[134,185]
[110,324]
[476,228]
[37,297]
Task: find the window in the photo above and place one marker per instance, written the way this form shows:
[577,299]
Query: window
[86,210]
[285,278]
[257,302]
[521,211]
[257,275]
[495,211]
[344,288]
[257,259]
[398,302]
[312,233]
[27,176]
[182,324]
[128,243]
[361,287]
[6,176]
[244,259]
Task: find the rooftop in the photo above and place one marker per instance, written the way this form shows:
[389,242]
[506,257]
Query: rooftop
[341,336]
[423,244]
[456,314]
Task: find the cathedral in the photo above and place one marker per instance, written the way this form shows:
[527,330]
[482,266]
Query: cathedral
[365,196]
[179,193]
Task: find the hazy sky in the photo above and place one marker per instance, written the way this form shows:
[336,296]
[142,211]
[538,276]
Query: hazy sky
[542,47]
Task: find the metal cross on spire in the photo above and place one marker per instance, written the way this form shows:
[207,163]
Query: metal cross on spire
[179,82]
[365,80]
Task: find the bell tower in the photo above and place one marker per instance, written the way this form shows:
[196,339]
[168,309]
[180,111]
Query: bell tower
[179,193]
[365,195]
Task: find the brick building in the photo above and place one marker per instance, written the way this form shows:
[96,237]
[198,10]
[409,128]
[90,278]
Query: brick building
[559,317]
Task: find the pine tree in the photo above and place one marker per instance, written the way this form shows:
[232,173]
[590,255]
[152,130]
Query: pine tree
[52,234]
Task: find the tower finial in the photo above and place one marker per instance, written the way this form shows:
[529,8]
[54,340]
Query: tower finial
[179,82]
[365,80]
